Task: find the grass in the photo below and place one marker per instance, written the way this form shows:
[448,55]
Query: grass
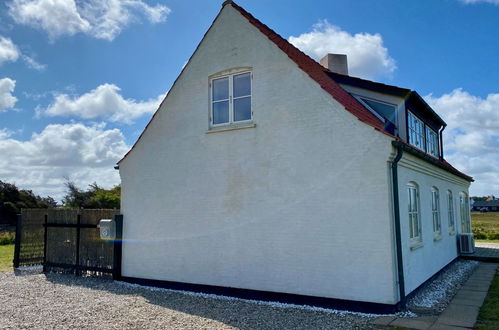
[485,226]
[488,318]
[6,256]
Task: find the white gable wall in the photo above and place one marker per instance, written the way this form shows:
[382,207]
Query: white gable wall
[426,260]
[299,204]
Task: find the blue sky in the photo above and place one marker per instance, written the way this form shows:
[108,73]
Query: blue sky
[79,80]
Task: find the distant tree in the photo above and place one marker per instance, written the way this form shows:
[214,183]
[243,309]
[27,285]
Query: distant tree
[477,198]
[95,197]
[13,199]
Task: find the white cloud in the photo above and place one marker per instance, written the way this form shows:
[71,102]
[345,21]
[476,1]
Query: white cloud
[81,153]
[5,133]
[367,57]
[33,64]
[471,139]
[8,50]
[495,2]
[103,102]
[7,100]
[102,19]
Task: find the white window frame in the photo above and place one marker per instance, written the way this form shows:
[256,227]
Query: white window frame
[450,213]
[411,130]
[231,99]
[464,210]
[431,142]
[435,213]
[414,215]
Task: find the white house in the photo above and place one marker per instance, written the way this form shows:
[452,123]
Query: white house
[265,173]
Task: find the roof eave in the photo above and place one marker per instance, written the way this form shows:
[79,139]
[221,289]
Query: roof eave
[441,163]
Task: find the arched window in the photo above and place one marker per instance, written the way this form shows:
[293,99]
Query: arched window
[464,208]
[414,213]
[450,212]
[435,213]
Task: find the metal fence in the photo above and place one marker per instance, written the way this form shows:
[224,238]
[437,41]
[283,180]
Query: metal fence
[67,240]
[30,237]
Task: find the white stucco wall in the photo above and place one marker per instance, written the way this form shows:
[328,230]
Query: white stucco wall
[299,204]
[423,262]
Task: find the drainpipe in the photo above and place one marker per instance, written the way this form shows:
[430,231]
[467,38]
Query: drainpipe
[442,142]
[398,239]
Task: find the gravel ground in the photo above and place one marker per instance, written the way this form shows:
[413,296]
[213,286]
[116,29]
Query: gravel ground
[436,295]
[56,301]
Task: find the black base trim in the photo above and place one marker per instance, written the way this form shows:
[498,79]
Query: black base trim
[477,258]
[287,298]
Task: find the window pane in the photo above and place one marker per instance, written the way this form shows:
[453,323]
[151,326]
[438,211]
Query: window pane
[242,109]
[242,85]
[220,89]
[432,142]
[384,110]
[414,200]
[220,112]
[411,226]
[416,131]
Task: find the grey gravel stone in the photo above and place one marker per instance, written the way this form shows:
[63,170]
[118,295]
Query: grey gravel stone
[436,295]
[56,301]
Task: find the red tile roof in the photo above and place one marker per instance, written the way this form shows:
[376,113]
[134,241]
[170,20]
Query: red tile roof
[316,71]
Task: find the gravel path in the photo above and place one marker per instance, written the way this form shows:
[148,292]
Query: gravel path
[436,295]
[55,301]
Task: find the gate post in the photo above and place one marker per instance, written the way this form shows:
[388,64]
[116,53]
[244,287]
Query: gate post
[17,246]
[45,243]
[118,218]
[78,233]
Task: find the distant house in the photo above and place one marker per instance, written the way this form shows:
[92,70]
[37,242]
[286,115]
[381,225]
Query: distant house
[486,206]
[243,179]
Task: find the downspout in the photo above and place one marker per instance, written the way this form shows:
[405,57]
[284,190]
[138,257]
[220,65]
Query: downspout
[398,237]
[442,142]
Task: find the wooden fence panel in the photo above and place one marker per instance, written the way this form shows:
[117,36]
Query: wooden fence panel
[30,243]
[72,239]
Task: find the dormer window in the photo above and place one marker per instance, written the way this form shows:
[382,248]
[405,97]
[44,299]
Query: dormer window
[384,111]
[231,99]
[431,142]
[421,135]
[416,131]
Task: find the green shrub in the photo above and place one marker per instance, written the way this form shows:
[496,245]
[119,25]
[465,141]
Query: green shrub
[7,237]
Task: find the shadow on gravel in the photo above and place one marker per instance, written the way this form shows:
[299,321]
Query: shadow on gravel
[239,314]
[28,271]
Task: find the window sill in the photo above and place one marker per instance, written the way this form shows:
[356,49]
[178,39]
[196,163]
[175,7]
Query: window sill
[416,246]
[452,233]
[437,238]
[230,127]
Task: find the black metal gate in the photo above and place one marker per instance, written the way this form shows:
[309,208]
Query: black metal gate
[71,241]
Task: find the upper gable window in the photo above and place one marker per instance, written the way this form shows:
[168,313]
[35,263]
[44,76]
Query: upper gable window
[416,131]
[386,111]
[231,99]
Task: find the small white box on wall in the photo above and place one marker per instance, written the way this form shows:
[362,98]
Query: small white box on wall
[107,229]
